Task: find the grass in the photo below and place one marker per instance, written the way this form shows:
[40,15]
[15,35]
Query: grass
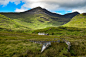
[63,31]
[8,23]
[77,21]
[16,44]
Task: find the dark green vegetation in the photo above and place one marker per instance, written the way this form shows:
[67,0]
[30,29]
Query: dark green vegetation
[78,21]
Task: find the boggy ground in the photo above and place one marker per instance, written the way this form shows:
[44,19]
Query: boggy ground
[16,44]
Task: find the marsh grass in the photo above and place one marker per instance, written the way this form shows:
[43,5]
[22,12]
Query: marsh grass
[16,44]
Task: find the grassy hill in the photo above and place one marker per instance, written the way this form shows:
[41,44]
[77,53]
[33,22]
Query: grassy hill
[78,21]
[37,21]
[37,18]
[7,23]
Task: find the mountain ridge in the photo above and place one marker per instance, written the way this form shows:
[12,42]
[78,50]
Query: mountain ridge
[39,10]
[55,14]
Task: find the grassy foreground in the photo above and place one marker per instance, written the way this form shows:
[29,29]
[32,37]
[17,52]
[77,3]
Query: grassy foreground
[14,44]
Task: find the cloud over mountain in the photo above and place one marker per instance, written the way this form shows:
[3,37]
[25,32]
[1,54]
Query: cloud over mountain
[74,5]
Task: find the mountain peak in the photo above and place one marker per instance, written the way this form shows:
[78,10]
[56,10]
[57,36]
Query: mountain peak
[76,12]
[38,7]
[37,10]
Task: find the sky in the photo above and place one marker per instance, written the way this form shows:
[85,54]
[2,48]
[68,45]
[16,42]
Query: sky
[56,6]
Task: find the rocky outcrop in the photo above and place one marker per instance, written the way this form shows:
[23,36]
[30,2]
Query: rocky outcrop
[46,44]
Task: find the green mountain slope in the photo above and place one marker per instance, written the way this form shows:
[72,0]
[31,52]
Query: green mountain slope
[10,24]
[78,21]
[6,22]
[37,21]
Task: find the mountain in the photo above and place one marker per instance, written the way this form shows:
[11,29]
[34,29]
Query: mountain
[39,10]
[77,21]
[38,18]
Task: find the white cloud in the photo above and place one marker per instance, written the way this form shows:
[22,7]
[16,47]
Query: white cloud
[56,4]
[5,2]
[15,1]
[20,10]
[81,10]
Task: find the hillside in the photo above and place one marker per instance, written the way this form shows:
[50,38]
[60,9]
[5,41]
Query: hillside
[37,21]
[78,21]
[38,18]
[9,24]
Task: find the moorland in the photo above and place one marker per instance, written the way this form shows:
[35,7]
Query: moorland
[16,29]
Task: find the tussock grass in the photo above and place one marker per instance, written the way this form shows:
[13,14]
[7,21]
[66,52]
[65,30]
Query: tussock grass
[15,44]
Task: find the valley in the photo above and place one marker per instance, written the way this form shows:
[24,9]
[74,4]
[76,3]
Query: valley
[16,29]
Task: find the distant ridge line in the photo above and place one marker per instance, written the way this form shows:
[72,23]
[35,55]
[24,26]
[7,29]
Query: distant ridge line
[44,11]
